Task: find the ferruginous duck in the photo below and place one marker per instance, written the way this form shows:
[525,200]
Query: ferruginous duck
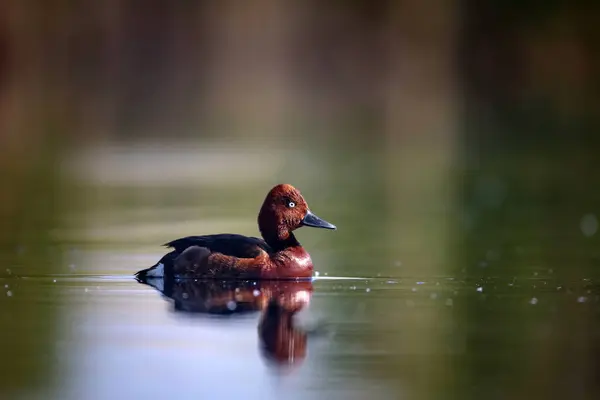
[278,255]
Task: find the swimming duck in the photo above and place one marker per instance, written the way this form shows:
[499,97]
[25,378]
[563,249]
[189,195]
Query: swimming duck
[278,255]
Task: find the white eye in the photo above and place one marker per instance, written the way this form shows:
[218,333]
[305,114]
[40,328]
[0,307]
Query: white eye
[291,204]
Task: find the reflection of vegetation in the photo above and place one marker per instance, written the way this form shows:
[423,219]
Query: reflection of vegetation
[348,190]
[531,173]
[35,118]
[523,201]
[30,213]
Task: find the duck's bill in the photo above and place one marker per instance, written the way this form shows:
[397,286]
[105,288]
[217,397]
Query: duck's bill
[311,219]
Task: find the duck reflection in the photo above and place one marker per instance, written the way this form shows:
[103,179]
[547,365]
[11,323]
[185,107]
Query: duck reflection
[281,341]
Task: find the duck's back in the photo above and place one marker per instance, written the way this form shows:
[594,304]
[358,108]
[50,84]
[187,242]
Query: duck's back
[226,243]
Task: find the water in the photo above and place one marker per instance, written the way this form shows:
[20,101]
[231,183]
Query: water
[486,290]
[383,338]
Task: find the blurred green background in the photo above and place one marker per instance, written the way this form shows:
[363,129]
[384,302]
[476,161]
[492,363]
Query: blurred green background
[443,138]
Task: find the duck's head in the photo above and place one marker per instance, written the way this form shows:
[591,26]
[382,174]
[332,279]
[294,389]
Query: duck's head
[285,210]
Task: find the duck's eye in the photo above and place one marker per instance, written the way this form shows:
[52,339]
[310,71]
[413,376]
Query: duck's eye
[291,204]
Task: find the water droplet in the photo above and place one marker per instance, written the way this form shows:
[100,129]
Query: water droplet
[325,274]
[256,293]
[480,289]
[9,293]
[398,263]
[317,273]
[86,290]
[433,296]
[231,305]
[54,280]
[392,282]
[581,299]
[589,225]
[352,287]
[449,302]
[414,289]
[535,274]
[6,286]
[367,290]
[8,271]
[533,301]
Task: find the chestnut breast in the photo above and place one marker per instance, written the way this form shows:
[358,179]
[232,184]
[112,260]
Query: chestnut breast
[293,262]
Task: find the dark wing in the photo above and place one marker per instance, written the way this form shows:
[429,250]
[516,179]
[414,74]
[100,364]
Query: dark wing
[228,244]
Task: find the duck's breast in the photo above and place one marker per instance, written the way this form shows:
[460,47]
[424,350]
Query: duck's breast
[293,262]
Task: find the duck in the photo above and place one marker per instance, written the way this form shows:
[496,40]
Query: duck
[277,255]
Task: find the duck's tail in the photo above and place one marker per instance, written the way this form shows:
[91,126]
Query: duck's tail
[156,271]
[161,269]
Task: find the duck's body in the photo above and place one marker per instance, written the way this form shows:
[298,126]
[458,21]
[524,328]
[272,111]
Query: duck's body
[233,256]
[230,256]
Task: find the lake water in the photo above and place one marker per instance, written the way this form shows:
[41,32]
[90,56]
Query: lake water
[357,338]
[484,287]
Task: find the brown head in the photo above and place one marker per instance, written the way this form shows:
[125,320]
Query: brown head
[285,210]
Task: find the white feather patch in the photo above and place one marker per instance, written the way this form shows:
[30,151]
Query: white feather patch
[157,283]
[157,271]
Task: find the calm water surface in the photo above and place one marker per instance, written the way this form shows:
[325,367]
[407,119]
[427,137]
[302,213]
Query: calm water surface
[485,291]
[356,338]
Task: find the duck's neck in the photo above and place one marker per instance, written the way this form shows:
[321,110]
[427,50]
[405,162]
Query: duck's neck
[278,236]
[278,244]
